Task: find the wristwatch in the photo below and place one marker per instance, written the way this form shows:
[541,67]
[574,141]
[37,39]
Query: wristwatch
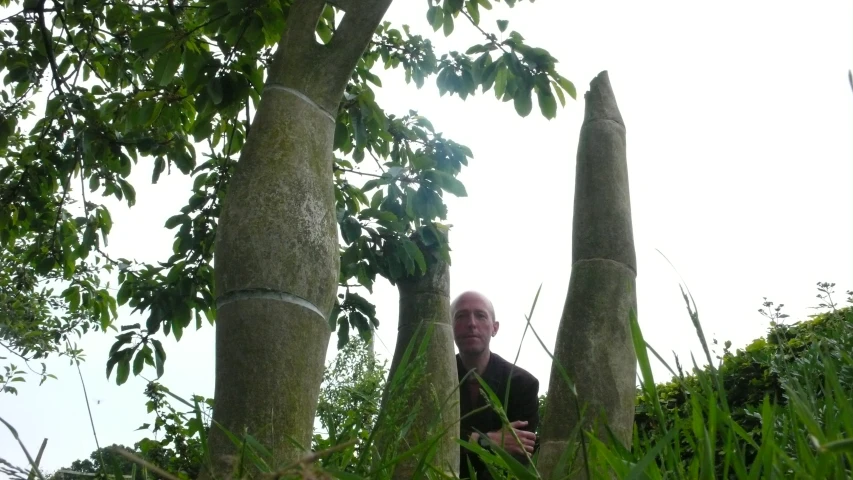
[483,441]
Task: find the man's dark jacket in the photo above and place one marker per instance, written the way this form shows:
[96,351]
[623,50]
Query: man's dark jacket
[523,405]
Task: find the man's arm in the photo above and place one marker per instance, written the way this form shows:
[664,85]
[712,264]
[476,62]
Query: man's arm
[523,415]
[524,407]
[524,402]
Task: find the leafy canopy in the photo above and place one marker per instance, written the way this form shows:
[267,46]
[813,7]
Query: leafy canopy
[96,89]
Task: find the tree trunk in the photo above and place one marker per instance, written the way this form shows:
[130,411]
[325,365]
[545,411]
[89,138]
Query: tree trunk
[430,392]
[277,258]
[594,338]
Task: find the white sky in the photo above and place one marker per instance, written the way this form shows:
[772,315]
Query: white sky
[741,167]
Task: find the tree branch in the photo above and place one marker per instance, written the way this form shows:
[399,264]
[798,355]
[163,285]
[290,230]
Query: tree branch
[330,66]
[48,46]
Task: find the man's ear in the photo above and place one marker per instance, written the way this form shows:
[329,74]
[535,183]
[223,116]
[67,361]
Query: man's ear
[495,327]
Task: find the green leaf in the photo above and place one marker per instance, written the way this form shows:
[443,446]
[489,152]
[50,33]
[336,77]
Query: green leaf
[422,161]
[111,364]
[435,17]
[350,229]
[471,5]
[341,134]
[360,322]
[477,49]
[415,253]
[500,80]
[176,220]
[159,167]
[45,265]
[343,332]
[355,300]
[123,370]
[448,25]
[523,101]
[516,467]
[150,40]
[568,86]
[138,363]
[214,89]
[502,24]
[377,199]
[123,293]
[844,445]
[559,92]
[167,66]
[359,129]
[451,184]
[159,357]
[547,102]
[128,190]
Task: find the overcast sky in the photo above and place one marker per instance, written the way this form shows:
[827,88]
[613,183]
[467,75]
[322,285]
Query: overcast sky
[738,117]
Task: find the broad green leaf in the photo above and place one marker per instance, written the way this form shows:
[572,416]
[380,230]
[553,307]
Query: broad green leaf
[448,25]
[343,332]
[547,103]
[123,293]
[150,40]
[214,89]
[176,220]
[435,17]
[359,302]
[568,86]
[45,265]
[473,10]
[159,168]
[451,184]
[502,24]
[350,229]
[415,253]
[559,92]
[138,362]
[500,80]
[159,357]
[167,66]
[123,370]
[523,101]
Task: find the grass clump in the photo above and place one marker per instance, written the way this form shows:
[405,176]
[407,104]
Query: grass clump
[778,408]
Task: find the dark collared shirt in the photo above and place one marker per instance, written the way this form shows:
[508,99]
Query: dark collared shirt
[523,404]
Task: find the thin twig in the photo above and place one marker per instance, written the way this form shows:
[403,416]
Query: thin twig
[48,46]
[489,36]
[89,409]
[376,159]
[357,172]
[11,16]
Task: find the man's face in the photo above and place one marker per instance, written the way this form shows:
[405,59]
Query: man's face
[473,325]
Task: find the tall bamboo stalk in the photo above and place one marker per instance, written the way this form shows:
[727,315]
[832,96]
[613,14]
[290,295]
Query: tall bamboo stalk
[594,339]
[277,259]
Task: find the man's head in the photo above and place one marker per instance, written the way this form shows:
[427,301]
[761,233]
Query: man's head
[474,323]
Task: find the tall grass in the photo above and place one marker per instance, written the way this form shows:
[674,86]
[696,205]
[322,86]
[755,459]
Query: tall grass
[804,433]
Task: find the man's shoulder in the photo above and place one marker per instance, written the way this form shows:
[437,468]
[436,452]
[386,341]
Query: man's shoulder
[518,374]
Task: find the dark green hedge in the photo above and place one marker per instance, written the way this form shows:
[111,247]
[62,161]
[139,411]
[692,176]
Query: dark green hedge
[789,355]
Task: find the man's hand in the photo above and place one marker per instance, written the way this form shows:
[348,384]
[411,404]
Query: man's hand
[505,439]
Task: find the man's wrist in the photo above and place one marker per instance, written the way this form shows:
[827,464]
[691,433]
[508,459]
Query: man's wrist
[484,441]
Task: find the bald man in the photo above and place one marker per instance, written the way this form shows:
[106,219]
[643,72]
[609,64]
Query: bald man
[474,325]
